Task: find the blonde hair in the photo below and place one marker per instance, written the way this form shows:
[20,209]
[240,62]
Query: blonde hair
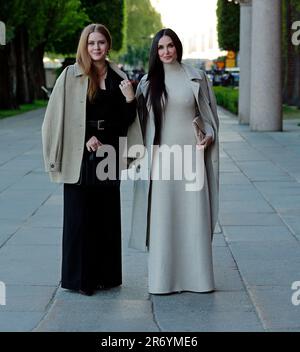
[83,58]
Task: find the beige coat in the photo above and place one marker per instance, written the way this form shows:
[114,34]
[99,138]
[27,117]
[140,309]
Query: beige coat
[63,129]
[208,112]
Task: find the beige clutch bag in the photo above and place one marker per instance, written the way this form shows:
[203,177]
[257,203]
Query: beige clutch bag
[198,129]
[198,177]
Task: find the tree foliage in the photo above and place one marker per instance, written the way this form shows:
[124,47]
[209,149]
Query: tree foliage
[34,26]
[142,23]
[65,19]
[228,15]
[110,13]
[13,14]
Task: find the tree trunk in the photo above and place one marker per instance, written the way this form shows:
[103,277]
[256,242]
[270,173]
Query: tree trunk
[290,63]
[285,21]
[25,95]
[292,77]
[12,64]
[37,71]
[8,78]
[297,78]
[4,79]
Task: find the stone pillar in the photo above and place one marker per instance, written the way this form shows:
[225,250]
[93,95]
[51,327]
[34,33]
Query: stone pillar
[266,91]
[245,61]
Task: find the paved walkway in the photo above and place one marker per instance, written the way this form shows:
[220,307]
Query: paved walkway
[256,247]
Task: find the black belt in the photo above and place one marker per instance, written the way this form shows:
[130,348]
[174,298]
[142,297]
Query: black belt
[99,124]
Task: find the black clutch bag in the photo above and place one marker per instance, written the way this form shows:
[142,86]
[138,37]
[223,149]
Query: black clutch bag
[88,173]
[88,176]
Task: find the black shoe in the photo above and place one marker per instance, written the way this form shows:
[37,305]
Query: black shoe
[86,292]
[107,286]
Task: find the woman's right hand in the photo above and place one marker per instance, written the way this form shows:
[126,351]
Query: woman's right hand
[206,141]
[93,144]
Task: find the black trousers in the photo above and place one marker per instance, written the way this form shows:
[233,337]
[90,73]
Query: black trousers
[91,237]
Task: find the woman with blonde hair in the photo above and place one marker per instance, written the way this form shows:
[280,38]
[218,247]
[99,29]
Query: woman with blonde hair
[91,106]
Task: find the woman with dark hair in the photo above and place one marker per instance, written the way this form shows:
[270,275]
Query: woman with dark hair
[91,106]
[177,112]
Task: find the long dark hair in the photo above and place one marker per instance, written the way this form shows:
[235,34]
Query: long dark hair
[156,77]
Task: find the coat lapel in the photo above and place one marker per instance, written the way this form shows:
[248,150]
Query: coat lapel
[195,78]
[78,72]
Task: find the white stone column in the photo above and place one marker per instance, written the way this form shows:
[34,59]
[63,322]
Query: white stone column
[245,61]
[266,96]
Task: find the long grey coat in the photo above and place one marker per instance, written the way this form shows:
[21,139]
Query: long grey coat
[63,130]
[137,136]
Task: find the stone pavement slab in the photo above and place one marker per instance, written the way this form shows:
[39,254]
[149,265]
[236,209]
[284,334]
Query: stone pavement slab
[28,298]
[30,264]
[257,233]
[98,314]
[249,219]
[293,223]
[19,321]
[221,311]
[286,315]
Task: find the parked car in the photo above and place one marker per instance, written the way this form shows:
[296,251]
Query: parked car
[231,76]
[215,76]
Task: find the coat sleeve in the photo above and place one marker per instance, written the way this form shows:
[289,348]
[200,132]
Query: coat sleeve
[135,135]
[128,112]
[210,126]
[52,127]
[208,130]
[212,100]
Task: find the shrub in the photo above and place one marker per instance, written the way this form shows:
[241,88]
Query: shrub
[228,98]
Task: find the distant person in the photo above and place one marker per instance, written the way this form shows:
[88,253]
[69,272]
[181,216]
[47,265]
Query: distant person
[227,79]
[174,224]
[92,105]
[141,73]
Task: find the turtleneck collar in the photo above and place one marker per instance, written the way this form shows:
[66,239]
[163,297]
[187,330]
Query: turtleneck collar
[172,67]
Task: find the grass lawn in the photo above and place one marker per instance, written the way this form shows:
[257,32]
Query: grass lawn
[23,108]
[290,112]
[228,98]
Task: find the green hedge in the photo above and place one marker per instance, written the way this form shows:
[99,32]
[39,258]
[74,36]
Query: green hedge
[290,112]
[228,98]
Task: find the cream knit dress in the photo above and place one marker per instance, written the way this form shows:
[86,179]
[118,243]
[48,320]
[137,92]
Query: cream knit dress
[180,251]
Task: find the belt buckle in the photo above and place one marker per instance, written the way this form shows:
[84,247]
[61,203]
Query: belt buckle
[99,122]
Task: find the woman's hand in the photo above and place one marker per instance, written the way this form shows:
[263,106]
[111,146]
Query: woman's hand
[206,141]
[127,90]
[93,144]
